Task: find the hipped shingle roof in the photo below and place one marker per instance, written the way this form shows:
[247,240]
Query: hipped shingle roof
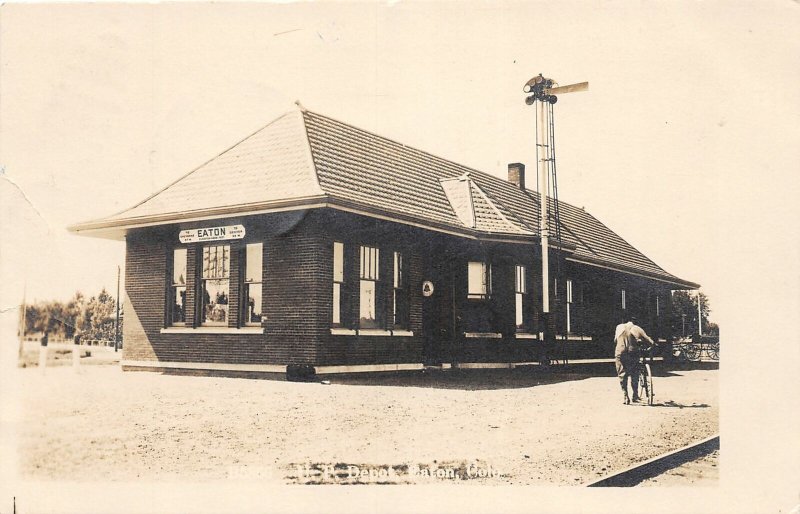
[307,159]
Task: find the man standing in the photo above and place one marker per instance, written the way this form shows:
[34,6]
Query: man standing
[626,356]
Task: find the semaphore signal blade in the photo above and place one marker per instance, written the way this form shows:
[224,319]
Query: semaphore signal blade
[572,88]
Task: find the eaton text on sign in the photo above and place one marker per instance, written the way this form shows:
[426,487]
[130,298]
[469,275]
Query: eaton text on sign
[197,235]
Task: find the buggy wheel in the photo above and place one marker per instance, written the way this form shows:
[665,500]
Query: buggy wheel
[693,352]
[713,351]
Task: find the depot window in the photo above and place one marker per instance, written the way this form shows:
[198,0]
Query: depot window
[400,299]
[215,285]
[479,280]
[624,306]
[338,281]
[177,289]
[569,306]
[368,287]
[520,292]
[252,284]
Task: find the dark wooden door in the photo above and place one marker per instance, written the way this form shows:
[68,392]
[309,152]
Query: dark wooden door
[437,312]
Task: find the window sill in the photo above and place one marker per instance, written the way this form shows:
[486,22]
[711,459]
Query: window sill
[402,333]
[483,335]
[572,337]
[212,330]
[371,332]
[525,335]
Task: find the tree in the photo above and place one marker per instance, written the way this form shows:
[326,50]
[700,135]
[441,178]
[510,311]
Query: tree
[72,313]
[684,313]
[34,318]
[99,317]
[94,319]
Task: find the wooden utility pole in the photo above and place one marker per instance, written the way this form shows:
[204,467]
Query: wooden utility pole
[116,325]
[699,316]
[23,322]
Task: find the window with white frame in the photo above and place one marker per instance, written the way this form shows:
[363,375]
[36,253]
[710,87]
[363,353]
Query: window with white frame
[520,290]
[569,306]
[479,280]
[624,306]
[400,310]
[368,290]
[215,285]
[177,293]
[252,284]
[338,280]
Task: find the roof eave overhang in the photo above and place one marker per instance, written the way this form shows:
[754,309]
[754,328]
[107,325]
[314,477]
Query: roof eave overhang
[673,281]
[118,228]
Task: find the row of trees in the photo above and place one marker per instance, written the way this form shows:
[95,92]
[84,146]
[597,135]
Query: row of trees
[684,314]
[94,318]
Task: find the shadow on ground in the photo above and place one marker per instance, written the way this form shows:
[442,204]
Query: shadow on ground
[486,379]
[466,379]
[676,405]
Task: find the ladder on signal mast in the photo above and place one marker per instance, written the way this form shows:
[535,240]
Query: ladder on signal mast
[543,94]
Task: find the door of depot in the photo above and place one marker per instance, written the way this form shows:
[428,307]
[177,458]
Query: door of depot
[438,315]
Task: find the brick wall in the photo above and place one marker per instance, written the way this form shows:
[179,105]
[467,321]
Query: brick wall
[290,299]
[297,294]
[145,295]
[354,231]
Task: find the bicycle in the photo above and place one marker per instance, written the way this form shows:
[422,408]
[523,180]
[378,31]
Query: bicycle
[645,374]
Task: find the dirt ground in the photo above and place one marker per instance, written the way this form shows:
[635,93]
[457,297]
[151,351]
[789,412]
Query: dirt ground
[521,426]
[703,471]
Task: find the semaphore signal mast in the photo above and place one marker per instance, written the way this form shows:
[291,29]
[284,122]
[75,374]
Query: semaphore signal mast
[543,93]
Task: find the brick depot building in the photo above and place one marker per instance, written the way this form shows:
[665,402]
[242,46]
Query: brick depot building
[315,242]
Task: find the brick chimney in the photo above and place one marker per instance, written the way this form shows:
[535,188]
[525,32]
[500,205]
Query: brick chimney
[516,174]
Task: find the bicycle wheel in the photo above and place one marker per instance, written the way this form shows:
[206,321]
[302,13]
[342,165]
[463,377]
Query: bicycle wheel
[644,391]
[646,382]
[693,352]
[713,351]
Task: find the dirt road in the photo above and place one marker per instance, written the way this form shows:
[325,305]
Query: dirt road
[494,427]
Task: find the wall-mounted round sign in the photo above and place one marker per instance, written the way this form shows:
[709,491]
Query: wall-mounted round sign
[427,288]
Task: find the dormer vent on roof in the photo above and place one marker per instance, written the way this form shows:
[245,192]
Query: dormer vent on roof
[459,194]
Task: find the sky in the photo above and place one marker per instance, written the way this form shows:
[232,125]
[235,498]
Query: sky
[686,114]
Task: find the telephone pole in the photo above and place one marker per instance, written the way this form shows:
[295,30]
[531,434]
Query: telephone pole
[116,325]
[699,316]
[23,321]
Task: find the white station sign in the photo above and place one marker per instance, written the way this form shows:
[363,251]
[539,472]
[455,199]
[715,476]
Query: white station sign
[197,235]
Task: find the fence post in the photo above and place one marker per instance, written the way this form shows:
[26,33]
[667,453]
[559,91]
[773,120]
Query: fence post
[43,353]
[76,353]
